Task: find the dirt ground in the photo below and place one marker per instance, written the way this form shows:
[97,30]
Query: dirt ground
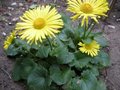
[9,13]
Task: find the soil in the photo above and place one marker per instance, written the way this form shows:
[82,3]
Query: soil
[10,10]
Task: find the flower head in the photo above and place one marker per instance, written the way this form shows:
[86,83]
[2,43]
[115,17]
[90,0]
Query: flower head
[91,49]
[9,40]
[86,9]
[39,23]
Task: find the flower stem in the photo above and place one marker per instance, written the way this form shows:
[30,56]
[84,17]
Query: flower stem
[85,28]
[49,42]
[90,29]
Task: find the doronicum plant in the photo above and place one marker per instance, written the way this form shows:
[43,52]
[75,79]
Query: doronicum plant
[51,54]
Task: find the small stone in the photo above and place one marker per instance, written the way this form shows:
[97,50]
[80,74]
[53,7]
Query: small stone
[21,4]
[15,19]
[10,23]
[23,8]
[33,6]
[118,20]
[114,16]
[4,34]
[9,14]
[10,8]
[6,24]
[111,26]
[14,4]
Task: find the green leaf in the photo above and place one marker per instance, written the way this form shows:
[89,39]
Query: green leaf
[23,67]
[44,63]
[81,60]
[73,84]
[94,70]
[81,63]
[63,40]
[101,40]
[54,87]
[67,29]
[34,46]
[102,58]
[66,19]
[12,51]
[88,81]
[71,44]
[62,54]
[79,31]
[38,79]
[101,85]
[59,76]
[21,44]
[63,37]
[65,58]
[18,47]
[43,52]
[87,41]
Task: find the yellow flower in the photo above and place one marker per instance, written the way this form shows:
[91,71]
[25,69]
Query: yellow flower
[39,23]
[86,9]
[9,40]
[91,49]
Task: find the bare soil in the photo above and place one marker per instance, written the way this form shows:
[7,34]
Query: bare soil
[12,9]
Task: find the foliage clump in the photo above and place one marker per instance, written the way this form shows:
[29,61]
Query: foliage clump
[48,60]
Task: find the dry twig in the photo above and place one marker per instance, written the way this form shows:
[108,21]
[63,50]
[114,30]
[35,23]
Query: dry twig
[6,73]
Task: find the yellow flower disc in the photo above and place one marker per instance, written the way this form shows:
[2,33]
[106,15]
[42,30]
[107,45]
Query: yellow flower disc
[39,23]
[91,49]
[86,9]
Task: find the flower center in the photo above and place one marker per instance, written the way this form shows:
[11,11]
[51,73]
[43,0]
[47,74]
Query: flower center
[88,46]
[39,23]
[86,8]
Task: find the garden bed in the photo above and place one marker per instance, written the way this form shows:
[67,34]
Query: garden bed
[9,17]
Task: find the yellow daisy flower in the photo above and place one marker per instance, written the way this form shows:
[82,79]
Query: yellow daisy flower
[86,9]
[39,23]
[91,49]
[9,40]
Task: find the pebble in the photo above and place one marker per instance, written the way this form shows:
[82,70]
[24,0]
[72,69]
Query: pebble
[111,26]
[33,6]
[10,8]
[14,4]
[10,23]
[4,34]
[15,19]
[7,14]
[114,16]
[118,20]
[21,4]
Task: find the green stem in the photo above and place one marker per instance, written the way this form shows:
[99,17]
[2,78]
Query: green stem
[49,42]
[90,29]
[85,28]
